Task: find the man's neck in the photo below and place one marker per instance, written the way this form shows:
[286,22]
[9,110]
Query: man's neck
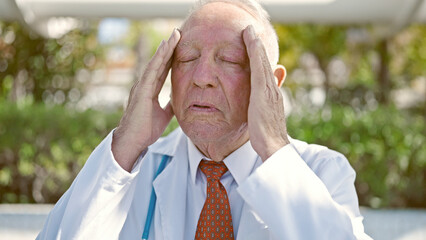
[219,150]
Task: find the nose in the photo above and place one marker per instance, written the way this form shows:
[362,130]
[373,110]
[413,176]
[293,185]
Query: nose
[205,74]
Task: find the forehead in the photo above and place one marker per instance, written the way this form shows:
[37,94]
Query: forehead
[219,17]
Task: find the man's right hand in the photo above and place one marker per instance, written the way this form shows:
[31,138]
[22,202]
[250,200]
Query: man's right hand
[144,121]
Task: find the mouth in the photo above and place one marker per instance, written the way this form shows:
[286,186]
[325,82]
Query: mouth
[203,107]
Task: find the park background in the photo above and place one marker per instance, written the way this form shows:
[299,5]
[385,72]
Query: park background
[348,87]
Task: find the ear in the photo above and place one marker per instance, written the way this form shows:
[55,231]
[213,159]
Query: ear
[280,73]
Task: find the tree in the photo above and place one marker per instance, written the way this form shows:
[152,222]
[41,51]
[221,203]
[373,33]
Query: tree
[45,69]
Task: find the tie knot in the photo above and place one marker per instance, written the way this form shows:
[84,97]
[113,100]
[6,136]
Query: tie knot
[213,170]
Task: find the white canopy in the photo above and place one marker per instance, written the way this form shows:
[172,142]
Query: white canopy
[44,15]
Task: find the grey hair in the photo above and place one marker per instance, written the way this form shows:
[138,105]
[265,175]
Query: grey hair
[268,33]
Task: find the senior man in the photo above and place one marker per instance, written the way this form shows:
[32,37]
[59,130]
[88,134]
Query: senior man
[230,171]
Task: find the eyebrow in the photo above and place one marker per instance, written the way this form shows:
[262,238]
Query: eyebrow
[187,43]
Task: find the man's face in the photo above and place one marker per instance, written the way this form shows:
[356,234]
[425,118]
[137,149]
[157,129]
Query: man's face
[210,73]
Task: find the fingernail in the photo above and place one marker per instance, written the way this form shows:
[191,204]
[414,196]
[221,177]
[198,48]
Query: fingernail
[251,30]
[173,34]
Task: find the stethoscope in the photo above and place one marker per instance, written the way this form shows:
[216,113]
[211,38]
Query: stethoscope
[153,200]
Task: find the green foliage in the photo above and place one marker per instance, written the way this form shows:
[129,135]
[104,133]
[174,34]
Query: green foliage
[45,69]
[172,126]
[408,52]
[43,148]
[402,61]
[324,42]
[386,147]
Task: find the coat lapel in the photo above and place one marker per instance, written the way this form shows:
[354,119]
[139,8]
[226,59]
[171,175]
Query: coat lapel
[170,187]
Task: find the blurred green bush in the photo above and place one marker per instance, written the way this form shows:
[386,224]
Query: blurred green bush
[42,148]
[385,146]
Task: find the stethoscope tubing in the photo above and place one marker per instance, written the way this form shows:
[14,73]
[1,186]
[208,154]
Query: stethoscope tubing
[153,200]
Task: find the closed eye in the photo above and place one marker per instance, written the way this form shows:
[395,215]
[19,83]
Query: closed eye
[188,60]
[228,60]
[231,62]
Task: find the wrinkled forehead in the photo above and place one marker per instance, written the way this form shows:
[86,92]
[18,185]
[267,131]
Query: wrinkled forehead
[221,15]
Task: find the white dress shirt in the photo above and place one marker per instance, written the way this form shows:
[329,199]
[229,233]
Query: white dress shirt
[302,191]
[240,163]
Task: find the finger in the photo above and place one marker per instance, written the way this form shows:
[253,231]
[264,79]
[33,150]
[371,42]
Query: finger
[129,100]
[158,64]
[260,67]
[252,42]
[147,85]
[151,72]
[263,65]
[170,46]
[162,78]
[167,61]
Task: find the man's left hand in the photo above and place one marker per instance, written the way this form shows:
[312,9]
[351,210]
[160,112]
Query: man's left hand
[266,119]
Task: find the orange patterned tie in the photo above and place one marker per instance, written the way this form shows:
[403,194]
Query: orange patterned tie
[215,219]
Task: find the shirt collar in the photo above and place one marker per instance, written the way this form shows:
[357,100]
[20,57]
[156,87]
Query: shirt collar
[195,157]
[240,163]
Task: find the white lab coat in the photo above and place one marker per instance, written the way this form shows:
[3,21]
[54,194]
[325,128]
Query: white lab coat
[301,192]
